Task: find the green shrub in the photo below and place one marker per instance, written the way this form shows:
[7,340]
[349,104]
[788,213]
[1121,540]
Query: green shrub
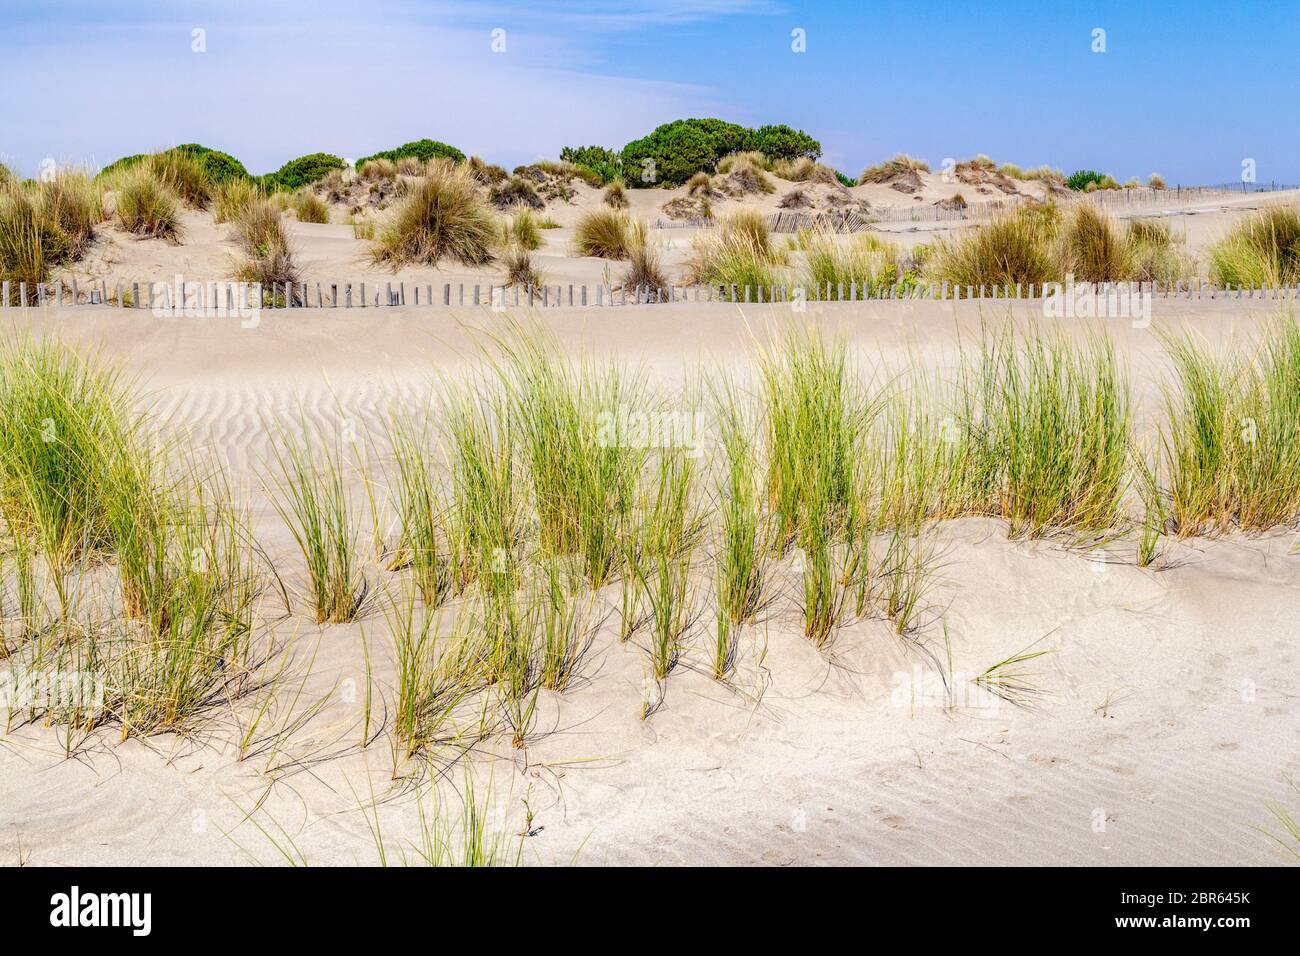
[782,142]
[1079,181]
[423,149]
[119,165]
[680,149]
[302,171]
[604,162]
[221,167]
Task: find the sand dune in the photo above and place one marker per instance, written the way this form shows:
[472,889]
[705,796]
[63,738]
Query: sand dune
[1165,715]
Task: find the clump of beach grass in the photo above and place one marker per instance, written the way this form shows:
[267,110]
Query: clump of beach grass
[30,244]
[421,509]
[65,417]
[814,413]
[181,174]
[75,205]
[1232,442]
[231,198]
[1262,250]
[738,254]
[311,496]
[267,254]
[645,274]
[582,462]
[309,207]
[604,234]
[442,216]
[616,195]
[520,270]
[146,206]
[836,265]
[900,164]
[1009,250]
[84,483]
[523,231]
[742,560]
[669,536]
[431,681]
[1093,249]
[1060,411]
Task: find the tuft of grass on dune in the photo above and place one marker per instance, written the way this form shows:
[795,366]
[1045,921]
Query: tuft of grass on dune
[669,535]
[421,509]
[581,460]
[1094,250]
[232,198]
[645,273]
[183,175]
[30,245]
[1264,249]
[64,418]
[441,216]
[1231,433]
[309,207]
[485,523]
[75,205]
[900,164]
[1060,411]
[522,230]
[604,234]
[146,206]
[616,195]
[266,253]
[741,562]
[834,265]
[432,680]
[86,487]
[311,496]
[521,272]
[1014,248]
[738,253]
[814,414]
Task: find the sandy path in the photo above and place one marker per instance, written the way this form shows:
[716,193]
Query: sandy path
[1168,705]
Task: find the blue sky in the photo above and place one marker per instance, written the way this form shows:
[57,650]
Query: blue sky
[1187,89]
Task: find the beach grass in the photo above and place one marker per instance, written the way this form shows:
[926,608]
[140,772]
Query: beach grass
[441,216]
[311,495]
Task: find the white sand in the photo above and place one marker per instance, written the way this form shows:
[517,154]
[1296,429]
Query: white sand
[328,253]
[1168,706]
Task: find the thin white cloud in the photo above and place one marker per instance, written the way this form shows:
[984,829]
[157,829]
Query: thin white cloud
[272,87]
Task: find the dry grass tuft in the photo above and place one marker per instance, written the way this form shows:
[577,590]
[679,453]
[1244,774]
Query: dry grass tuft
[442,216]
[146,207]
[603,233]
